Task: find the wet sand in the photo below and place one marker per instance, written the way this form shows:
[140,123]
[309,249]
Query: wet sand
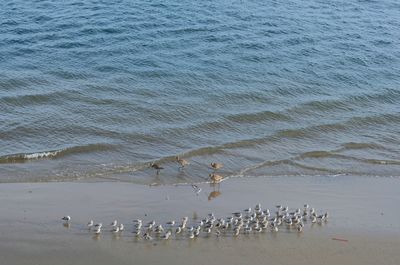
[363,211]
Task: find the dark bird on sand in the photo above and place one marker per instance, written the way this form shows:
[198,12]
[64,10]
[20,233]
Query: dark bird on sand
[156,167]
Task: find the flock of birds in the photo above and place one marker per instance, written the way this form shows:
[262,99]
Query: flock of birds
[248,221]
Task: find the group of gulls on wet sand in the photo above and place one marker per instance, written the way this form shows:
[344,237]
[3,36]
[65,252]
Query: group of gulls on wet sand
[214,178]
[248,221]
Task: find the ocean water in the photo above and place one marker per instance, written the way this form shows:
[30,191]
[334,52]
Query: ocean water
[95,90]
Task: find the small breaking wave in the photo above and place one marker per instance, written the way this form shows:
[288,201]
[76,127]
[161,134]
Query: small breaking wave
[53,154]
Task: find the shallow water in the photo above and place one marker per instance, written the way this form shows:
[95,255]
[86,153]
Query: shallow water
[99,89]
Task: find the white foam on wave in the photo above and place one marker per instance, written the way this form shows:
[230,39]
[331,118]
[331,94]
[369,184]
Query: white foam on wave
[42,154]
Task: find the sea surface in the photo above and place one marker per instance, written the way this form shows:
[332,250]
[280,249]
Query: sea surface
[96,90]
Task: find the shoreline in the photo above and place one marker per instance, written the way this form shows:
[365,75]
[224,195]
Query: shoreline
[362,211]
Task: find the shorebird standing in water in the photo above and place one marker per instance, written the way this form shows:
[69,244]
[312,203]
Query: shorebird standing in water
[217,166]
[215,178]
[182,162]
[156,167]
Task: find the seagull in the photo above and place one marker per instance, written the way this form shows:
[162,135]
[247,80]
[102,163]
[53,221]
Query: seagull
[313,219]
[166,235]
[258,229]
[146,236]
[156,167]
[66,218]
[114,223]
[237,214]
[215,178]
[247,229]
[121,227]
[90,224]
[326,216]
[216,166]
[97,231]
[97,226]
[115,229]
[159,229]
[182,162]
[171,223]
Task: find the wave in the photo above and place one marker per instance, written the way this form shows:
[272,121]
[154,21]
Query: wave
[348,103]
[353,145]
[257,117]
[53,154]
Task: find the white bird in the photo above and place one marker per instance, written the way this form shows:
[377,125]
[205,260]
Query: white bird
[99,225]
[66,218]
[97,231]
[171,223]
[121,227]
[258,229]
[247,229]
[90,224]
[115,229]
[313,219]
[166,235]
[114,223]
[146,236]
[159,229]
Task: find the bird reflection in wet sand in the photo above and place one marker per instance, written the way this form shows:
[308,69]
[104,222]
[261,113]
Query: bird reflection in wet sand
[215,193]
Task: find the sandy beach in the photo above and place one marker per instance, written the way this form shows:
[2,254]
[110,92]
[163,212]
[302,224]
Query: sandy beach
[363,215]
